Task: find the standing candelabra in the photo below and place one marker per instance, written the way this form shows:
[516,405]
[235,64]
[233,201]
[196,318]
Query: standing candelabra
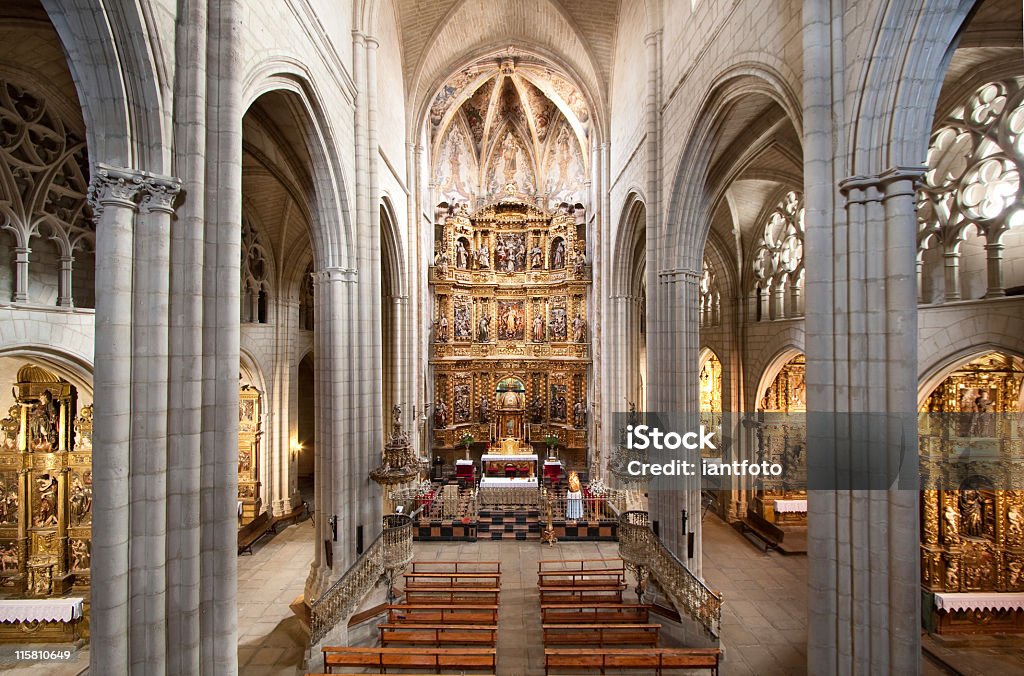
[548,536]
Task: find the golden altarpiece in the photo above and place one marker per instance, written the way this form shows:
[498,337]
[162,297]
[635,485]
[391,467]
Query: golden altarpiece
[510,344]
[45,500]
[972,527]
[780,430]
[250,436]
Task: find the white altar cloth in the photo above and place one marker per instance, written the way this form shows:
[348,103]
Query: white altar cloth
[41,610]
[784,506]
[502,482]
[493,457]
[979,601]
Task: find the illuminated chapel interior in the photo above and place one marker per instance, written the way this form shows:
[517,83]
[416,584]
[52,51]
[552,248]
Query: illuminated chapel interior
[317,314]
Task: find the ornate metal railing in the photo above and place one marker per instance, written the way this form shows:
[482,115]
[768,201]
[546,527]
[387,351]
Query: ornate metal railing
[390,552]
[641,549]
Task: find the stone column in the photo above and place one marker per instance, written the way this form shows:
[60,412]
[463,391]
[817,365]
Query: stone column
[185,346]
[64,297]
[21,254]
[994,259]
[864,609]
[112,195]
[951,270]
[218,495]
[148,480]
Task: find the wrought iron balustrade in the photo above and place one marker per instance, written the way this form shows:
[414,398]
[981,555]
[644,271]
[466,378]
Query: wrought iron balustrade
[389,553]
[644,552]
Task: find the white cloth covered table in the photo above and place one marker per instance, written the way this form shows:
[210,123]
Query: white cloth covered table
[41,610]
[503,482]
[979,601]
[784,506]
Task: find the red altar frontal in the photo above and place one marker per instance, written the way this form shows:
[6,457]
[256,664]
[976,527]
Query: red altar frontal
[508,470]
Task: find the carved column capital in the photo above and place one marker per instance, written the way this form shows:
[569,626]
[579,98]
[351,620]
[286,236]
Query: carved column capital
[113,186]
[335,274]
[159,193]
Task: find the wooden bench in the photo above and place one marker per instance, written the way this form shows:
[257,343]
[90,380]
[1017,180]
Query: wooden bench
[579,564]
[580,578]
[452,659]
[452,595]
[609,613]
[433,614]
[649,661]
[467,580]
[289,517]
[253,531]
[607,594]
[438,635]
[456,567]
[601,635]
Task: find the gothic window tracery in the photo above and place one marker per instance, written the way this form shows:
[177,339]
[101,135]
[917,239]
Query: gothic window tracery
[778,264]
[972,187]
[44,181]
[255,281]
[710,298]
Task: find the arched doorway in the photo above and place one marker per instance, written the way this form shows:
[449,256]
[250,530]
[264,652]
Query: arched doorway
[306,440]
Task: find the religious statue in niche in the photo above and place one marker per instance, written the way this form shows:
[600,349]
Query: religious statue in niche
[536,410]
[977,508]
[536,258]
[982,419]
[80,501]
[558,406]
[510,320]
[9,557]
[558,255]
[579,329]
[952,525]
[43,423]
[79,555]
[441,263]
[461,255]
[483,257]
[579,265]
[538,327]
[462,326]
[558,324]
[579,413]
[9,428]
[510,252]
[440,413]
[483,333]
[462,406]
[46,506]
[482,409]
[441,329]
[9,500]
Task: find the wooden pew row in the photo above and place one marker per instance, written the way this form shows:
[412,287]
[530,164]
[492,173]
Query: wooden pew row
[607,594]
[604,613]
[451,614]
[649,661]
[438,635]
[581,578]
[468,580]
[578,564]
[386,659]
[456,567]
[601,635]
[452,595]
